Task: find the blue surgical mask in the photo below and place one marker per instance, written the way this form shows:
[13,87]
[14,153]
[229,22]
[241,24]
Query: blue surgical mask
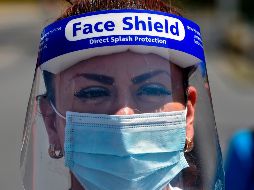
[130,152]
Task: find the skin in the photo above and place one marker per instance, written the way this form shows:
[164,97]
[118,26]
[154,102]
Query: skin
[122,94]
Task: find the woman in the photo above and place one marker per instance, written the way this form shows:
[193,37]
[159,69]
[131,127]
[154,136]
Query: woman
[118,104]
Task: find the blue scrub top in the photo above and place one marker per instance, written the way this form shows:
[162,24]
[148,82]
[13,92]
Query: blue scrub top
[240,162]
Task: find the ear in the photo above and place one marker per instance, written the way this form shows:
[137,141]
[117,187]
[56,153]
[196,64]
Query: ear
[191,102]
[49,118]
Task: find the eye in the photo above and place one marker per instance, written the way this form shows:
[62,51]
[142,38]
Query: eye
[92,93]
[153,90]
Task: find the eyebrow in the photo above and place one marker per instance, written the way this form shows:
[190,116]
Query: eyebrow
[98,78]
[141,78]
[107,80]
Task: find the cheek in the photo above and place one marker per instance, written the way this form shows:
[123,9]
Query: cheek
[61,131]
[174,106]
[66,97]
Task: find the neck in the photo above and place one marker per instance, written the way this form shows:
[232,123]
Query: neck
[75,185]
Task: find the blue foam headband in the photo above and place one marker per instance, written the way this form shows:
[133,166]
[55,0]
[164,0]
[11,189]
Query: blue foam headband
[73,39]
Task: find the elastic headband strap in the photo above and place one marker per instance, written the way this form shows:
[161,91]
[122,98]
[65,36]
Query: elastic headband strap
[57,112]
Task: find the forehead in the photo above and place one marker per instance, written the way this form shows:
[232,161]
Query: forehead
[114,64]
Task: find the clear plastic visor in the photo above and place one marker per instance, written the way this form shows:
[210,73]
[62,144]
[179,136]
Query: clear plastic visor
[120,85]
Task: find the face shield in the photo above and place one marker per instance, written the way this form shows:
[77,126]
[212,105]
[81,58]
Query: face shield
[121,100]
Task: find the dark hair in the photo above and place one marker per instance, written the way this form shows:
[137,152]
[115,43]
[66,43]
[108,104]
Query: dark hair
[83,6]
[49,80]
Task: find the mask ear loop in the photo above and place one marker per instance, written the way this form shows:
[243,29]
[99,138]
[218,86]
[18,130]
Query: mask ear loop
[185,112]
[189,142]
[57,112]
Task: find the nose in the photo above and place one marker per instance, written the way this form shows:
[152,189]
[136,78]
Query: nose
[124,103]
[125,110]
